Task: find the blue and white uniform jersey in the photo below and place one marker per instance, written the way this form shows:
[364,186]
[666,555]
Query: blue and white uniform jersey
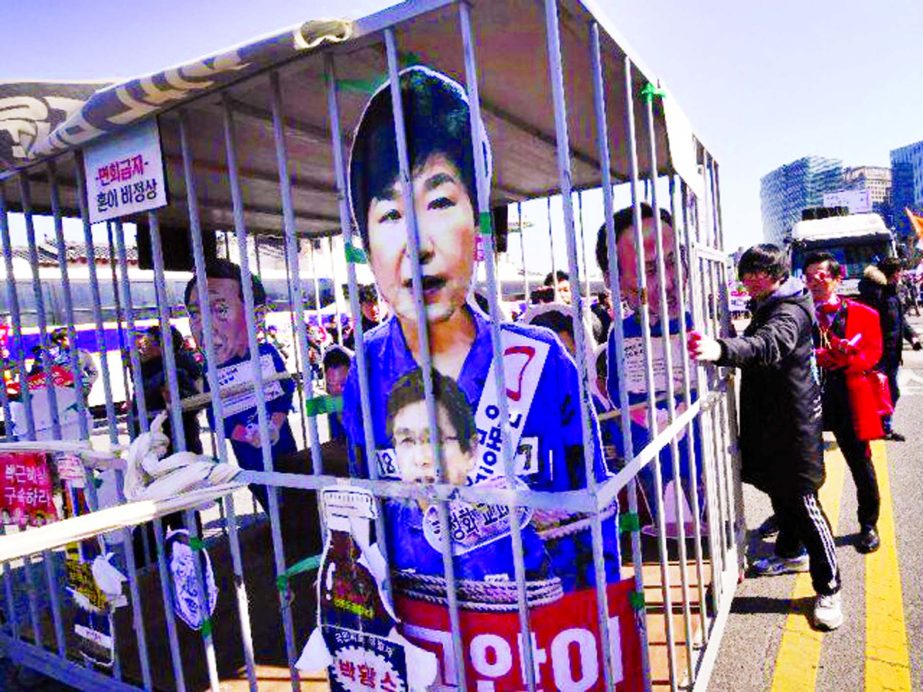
[633,367]
[240,417]
[550,454]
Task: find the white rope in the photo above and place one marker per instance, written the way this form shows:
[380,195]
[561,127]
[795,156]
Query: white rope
[17,545]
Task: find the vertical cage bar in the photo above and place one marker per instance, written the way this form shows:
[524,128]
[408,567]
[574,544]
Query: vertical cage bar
[47,560]
[178,430]
[666,335]
[11,618]
[16,316]
[166,582]
[195,232]
[97,300]
[15,319]
[713,515]
[120,323]
[644,309]
[522,252]
[588,422]
[338,325]
[291,243]
[618,328]
[346,226]
[250,310]
[140,415]
[41,321]
[483,187]
[554,266]
[425,359]
[687,400]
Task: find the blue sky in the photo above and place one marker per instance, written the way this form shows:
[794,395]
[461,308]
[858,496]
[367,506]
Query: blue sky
[763,83]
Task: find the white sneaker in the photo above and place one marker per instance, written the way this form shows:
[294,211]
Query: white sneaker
[828,612]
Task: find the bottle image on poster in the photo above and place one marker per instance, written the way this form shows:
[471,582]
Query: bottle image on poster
[356,637]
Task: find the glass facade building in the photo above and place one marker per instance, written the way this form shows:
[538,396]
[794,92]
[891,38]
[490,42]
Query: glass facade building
[907,184]
[789,189]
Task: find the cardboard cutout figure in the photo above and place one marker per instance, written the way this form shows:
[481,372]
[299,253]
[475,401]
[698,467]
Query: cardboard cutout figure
[229,333]
[356,636]
[541,391]
[633,364]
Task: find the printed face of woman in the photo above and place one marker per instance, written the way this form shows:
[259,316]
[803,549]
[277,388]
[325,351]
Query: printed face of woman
[445,220]
[414,452]
[228,320]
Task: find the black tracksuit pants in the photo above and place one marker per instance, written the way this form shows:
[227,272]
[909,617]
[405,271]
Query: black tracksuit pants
[803,524]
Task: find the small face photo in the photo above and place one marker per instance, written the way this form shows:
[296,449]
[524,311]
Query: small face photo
[408,426]
[228,319]
[415,457]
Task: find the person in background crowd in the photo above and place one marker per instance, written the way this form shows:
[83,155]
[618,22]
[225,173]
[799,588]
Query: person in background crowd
[336,367]
[156,393]
[878,289]
[848,342]
[602,308]
[61,355]
[232,356]
[633,364]
[559,283]
[781,438]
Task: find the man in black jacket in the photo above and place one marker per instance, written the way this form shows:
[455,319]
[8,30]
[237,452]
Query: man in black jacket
[781,441]
[878,289]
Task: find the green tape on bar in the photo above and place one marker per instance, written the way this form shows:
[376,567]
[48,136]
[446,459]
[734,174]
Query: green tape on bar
[629,521]
[363,86]
[636,598]
[650,92]
[196,543]
[323,404]
[485,224]
[207,627]
[305,565]
[355,255]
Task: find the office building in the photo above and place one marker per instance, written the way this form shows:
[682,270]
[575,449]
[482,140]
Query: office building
[906,184]
[789,189]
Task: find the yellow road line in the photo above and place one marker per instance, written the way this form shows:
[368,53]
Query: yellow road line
[887,659]
[799,652]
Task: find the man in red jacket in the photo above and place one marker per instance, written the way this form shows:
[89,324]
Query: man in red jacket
[848,345]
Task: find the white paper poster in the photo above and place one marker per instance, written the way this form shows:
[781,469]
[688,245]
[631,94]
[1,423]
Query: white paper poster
[124,173]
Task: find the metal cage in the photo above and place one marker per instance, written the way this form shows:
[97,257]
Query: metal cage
[255,147]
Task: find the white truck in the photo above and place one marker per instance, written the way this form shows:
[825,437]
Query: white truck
[856,241]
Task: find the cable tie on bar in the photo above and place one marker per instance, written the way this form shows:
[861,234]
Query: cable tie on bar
[650,92]
[323,404]
[485,223]
[355,255]
[629,521]
[363,86]
[305,565]
[370,86]
[207,627]
[636,598]
[196,543]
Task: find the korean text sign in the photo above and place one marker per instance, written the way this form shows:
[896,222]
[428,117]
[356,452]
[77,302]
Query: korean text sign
[124,173]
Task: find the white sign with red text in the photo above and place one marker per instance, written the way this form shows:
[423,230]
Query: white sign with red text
[124,173]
